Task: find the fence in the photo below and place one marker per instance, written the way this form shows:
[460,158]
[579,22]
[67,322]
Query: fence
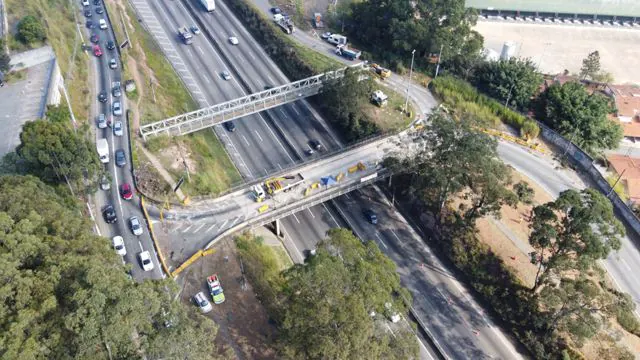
[585,164]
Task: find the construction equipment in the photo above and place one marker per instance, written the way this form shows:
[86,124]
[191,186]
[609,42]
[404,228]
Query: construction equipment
[276,185]
[263,208]
[215,289]
[380,71]
[258,193]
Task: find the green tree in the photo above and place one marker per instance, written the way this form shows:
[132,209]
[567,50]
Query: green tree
[326,314]
[590,66]
[30,30]
[572,233]
[579,116]
[66,293]
[514,80]
[458,160]
[52,152]
[524,192]
[5,61]
[58,113]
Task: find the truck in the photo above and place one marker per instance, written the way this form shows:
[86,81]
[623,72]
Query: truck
[317,17]
[285,22]
[337,39]
[284,183]
[215,289]
[209,5]
[379,98]
[258,193]
[103,150]
[380,71]
[185,35]
[351,54]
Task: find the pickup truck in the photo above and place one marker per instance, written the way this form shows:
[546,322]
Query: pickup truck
[351,54]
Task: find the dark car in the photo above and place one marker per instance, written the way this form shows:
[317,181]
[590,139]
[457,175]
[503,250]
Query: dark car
[230,126]
[371,216]
[109,214]
[125,191]
[97,2]
[275,10]
[102,97]
[111,45]
[94,38]
[315,144]
[121,159]
[99,10]
[90,24]
[87,13]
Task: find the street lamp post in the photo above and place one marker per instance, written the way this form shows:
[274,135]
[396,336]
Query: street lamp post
[406,103]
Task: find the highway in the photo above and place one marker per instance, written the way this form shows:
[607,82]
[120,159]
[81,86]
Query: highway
[119,175]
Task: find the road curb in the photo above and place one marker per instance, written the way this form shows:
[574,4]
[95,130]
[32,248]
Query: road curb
[153,238]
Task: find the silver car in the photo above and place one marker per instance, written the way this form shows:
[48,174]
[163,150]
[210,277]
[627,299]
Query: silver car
[117,109]
[102,121]
[201,300]
[136,228]
[117,128]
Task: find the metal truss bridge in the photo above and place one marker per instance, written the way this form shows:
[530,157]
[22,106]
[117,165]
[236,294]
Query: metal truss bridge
[246,105]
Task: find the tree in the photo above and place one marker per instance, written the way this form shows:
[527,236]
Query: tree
[54,153]
[524,192]
[590,66]
[604,77]
[514,81]
[326,314]
[457,160]
[5,61]
[58,113]
[30,30]
[579,116]
[66,293]
[572,233]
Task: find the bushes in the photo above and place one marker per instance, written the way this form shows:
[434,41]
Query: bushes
[30,30]
[467,101]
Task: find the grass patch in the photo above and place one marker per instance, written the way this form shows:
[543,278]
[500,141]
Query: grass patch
[15,76]
[316,60]
[390,117]
[284,260]
[58,19]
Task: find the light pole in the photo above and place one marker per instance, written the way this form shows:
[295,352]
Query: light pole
[406,103]
[438,66]
[506,103]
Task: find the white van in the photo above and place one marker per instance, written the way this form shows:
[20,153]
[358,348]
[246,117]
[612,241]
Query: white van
[103,24]
[85,2]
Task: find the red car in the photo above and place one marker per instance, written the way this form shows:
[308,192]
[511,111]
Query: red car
[125,191]
[97,51]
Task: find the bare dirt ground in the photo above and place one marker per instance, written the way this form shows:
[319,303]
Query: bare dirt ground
[244,329]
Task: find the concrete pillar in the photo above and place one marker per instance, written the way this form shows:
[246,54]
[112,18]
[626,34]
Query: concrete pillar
[278,230]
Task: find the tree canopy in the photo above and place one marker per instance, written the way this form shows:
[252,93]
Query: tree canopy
[30,30]
[514,80]
[579,116]
[590,66]
[66,294]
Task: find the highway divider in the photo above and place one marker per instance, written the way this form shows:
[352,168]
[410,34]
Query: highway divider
[153,237]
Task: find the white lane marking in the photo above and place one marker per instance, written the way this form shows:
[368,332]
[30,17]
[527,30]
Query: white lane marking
[198,228]
[223,224]
[234,222]
[93,219]
[140,244]
[287,237]
[245,140]
[206,78]
[625,264]
[200,49]
[253,56]
[209,228]
[280,166]
[347,196]
[187,229]
[310,212]
[258,135]
[396,235]
[330,214]
[295,108]
[270,79]
[283,113]
[381,242]
[347,220]
[295,217]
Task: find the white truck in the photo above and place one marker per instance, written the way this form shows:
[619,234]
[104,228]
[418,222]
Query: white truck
[337,39]
[103,150]
[209,5]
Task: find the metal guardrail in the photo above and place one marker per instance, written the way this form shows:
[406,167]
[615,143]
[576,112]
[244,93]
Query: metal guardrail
[243,106]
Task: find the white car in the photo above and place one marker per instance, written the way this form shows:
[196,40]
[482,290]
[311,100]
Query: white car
[85,2]
[233,40]
[113,64]
[136,228]
[117,109]
[225,75]
[201,300]
[118,245]
[117,128]
[145,261]
[102,121]
[103,24]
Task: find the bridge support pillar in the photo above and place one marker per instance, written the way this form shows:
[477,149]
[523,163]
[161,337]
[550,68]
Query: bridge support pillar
[278,230]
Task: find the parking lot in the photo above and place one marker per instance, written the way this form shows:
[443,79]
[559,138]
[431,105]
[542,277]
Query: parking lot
[556,47]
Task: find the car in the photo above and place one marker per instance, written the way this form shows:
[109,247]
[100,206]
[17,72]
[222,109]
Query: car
[135,226]
[125,191]
[195,30]
[102,121]
[117,128]
[116,89]
[97,2]
[145,261]
[325,35]
[109,214]
[104,183]
[94,38]
[99,10]
[121,159]
[111,45]
[118,245]
[315,144]
[201,300]
[87,13]
[215,288]
[97,51]
[275,10]
[370,216]
[268,87]
[309,151]
[117,109]
[102,97]
[230,126]
[85,2]
[113,64]
[90,24]
[225,75]
[103,24]
[233,40]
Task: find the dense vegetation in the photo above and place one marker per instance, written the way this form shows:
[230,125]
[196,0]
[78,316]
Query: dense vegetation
[30,31]
[65,293]
[512,82]
[323,308]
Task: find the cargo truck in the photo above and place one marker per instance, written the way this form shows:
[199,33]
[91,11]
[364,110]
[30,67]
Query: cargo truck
[285,22]
[185,35]
[380,71]
[351,54]
[103,150]
[284,183]
[209,5]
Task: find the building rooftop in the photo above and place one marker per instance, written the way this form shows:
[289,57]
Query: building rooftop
[631,176]
[627,100]
[591,7]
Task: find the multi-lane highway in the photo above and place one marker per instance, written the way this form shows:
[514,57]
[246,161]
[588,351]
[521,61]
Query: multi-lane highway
[105,77]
